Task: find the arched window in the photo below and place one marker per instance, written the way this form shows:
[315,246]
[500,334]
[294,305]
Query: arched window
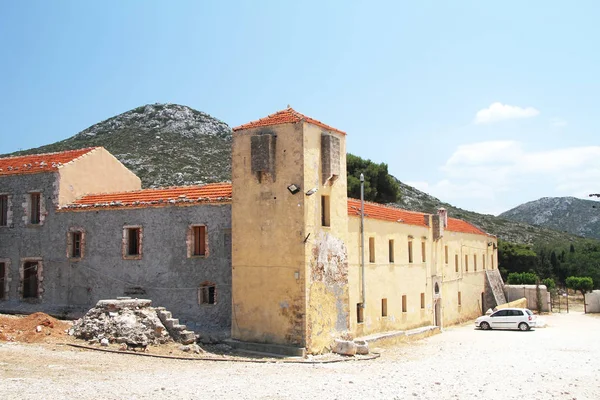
[436,288]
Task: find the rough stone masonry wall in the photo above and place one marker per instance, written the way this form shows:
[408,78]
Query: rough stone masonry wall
[164,273]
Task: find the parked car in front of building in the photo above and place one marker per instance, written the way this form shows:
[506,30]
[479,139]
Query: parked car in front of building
[507,318]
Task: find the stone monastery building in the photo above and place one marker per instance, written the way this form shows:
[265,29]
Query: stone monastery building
[273,257]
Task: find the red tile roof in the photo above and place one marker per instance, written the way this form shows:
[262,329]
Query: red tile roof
[36,163]
[392,214]
[385,213]
[183,195]
[287,116]
[458,225]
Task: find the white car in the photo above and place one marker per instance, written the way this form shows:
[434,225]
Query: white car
[507,318]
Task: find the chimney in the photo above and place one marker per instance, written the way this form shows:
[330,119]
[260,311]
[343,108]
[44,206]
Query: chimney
[443,213]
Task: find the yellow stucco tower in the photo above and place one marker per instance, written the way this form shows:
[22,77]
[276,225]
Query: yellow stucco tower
[289,229]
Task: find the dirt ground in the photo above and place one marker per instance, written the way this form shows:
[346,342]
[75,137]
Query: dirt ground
[561,361]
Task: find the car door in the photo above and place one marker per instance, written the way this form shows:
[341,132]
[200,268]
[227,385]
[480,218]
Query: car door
[514,319]
[498,319]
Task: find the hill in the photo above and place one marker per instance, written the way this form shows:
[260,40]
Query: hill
[570,214]
[170,145]
[163,144]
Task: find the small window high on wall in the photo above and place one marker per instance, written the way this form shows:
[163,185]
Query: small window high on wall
[132,242]
[325,211]
[410,251]
[207,294]
[3,210]
[35,208]
[197,241]
[371,249]
[360,318]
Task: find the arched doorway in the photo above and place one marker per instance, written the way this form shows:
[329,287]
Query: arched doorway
[438,313]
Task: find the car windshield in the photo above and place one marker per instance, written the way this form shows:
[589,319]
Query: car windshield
[528,312]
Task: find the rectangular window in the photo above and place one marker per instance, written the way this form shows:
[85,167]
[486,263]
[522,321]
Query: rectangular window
[384,307]
[199,240]
[483,260]
[459,298]
[325,211]
[371,250]
[2,280]
[456,263]
[3,210]
[30,280]
[445,254]
[76,244]
[391,250]
[492,261]
[423,252]
[410,254]
[404,303]
[132,242]
[208,293]
[466,263]
[359,313]
[35,208]
[474,262]
[422,301]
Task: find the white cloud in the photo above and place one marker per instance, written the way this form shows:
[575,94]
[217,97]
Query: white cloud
[558,123]
[498,112]
[493,173]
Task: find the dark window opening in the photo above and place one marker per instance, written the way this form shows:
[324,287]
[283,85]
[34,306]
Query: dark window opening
[391,250]
[404,307]
[76,244]
[410,254]
[423,252]
[445,254]
[2,280]
[360,313]
[133,241]
[459,298]
[208,293]
[422,301]
[474,262]
[35,208]
[199,240]
[325,211]
[30,280]
[371,250]
[384,307]
[456,263]
[466,263]
[3,210]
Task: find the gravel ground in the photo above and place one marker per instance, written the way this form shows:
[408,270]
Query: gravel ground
[561,361]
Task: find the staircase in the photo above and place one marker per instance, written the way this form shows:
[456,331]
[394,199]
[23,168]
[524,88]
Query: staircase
[494,288]
[178,331]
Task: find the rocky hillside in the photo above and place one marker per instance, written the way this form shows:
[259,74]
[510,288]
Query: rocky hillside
[169,144]
[577,216]
[504,228]
[164,144]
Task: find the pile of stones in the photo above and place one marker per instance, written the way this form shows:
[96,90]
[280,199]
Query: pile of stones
[132,322]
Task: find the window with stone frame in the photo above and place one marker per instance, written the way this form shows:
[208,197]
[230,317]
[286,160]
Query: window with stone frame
[31,270]
[35,208]
[197,241]
[75,243]
[4,199]
[207,293]
[132,242]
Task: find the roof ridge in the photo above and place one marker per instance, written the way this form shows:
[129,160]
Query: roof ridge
[53,153]
[155,189]
[391,207]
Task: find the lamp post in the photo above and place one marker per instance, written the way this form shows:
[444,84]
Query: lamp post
[362,238]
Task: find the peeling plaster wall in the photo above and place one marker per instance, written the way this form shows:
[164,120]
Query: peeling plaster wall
[326,255]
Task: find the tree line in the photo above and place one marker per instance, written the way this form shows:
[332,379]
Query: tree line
[557,261]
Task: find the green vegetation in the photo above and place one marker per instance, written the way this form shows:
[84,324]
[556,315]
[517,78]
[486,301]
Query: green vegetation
[582,284]
[380,186]
[557,261]
[522,278]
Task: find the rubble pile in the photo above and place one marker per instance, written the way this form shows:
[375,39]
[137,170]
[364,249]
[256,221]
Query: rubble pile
[34,328]
[132,322]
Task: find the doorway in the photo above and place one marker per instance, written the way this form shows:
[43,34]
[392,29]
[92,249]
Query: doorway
[437,313]
[30,280]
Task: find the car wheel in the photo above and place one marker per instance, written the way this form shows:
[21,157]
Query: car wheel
[523,326]
[485,326]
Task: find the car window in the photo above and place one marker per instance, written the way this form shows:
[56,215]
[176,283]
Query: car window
[528,312]
[517,313]
[501,313]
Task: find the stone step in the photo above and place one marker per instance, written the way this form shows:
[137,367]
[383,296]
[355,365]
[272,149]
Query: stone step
[171,322]
[187,337]
[177,330]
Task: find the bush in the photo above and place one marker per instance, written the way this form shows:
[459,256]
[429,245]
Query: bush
[550,284]
[582,284]
[523,278]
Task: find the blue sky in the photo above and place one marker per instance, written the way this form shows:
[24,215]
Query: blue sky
[485,105]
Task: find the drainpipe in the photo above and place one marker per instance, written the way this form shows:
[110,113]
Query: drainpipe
[362,238]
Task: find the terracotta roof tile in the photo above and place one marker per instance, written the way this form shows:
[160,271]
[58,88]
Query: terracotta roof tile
[385,213]
[210,193]
[36,163]
[458,225]
[287,116]
[392,214]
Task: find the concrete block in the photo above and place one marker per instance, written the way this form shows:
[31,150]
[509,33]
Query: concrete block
[362,347]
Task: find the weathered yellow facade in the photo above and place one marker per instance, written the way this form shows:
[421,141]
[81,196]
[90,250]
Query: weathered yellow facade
[296,269]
